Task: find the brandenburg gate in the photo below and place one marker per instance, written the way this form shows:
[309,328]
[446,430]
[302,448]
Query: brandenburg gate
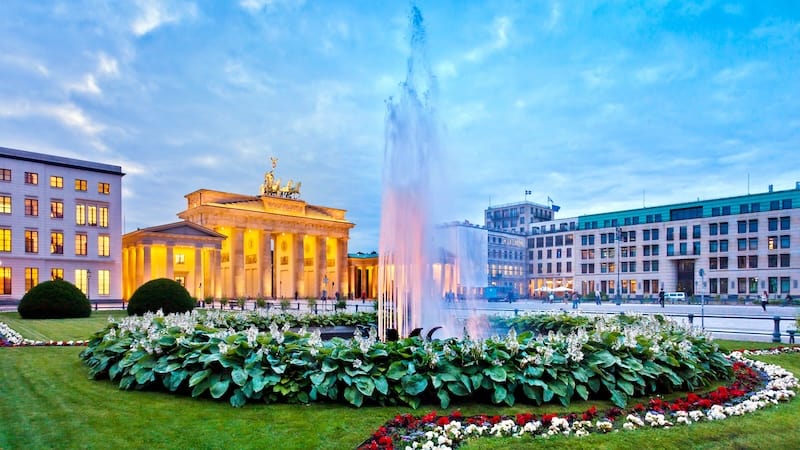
[269,245]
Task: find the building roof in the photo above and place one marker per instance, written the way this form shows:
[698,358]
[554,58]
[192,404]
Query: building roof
[53,160]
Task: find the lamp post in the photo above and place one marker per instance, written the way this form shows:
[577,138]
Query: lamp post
[617,287]
[88,284]
[702,274]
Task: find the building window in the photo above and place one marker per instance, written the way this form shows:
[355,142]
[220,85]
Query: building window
[741,262]
[103,282]
[103,188]
[31,178]
[670,234]
[712,263]
[723,228]
[785,260]
[723,245]
[772,242]
[785,285]
[80,244]
[56,209]
[80,185]
[5,280]
[741,244]
[81,280]
[31,277]
[5,204]
[31,241]
[683,232]
[56,273]
[5,174]
[785,241]
[753,243]
[713,246]
[723,262]
[5,240]
[713,229]
[56,243]
[696,247]
[56,182]
[31,207]
[683,248]
[670,249]
[91,218]
[103,244]
[753,226]
[772,260]
[696,232]
[772,224]
[80,214]
[103,217]
[753,261]
[741,226]
[785,223]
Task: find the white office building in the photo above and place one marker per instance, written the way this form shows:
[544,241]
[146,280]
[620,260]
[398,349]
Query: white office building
[59,218]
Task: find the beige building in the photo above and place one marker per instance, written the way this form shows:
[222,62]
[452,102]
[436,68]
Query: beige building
[235,245]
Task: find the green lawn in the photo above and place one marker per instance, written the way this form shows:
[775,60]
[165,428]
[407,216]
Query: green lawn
[59,329]
[48,402]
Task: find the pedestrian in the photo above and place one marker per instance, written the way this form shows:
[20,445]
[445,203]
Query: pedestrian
[551,297]
[575,300]
[764,300]
[661,297]
[789,299]
[598,300]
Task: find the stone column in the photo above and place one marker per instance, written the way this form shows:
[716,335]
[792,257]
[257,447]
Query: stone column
[214,269]
[299,265]
[198,287]
[276,285]
[341,266]
[322,265]
[170,263]
[236,263]
[147,272]
[139,269]
[264,264]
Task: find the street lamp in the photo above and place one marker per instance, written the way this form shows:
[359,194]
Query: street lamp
[88,283]
[617,287]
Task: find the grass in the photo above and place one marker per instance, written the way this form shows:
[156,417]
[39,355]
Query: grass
[59,329]
[48,402]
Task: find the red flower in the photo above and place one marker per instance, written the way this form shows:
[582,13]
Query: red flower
[444,420]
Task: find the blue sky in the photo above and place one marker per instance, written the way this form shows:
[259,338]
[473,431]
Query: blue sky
[599,105]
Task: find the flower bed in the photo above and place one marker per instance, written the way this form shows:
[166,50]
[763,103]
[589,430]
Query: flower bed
[756,385]
[10,338]
[611,357]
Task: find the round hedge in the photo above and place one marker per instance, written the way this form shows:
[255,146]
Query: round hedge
[161,293]
[57,299]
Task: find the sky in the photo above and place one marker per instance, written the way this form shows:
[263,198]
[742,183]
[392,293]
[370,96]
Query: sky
[600,106]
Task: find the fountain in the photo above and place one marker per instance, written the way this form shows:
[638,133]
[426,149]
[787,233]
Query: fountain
[409,293]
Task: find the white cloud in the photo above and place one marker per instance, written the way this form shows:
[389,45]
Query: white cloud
[155,13]
[237,74]
[207,161]
[67,114]
[500,29]
[87,85]
[738,73]
[254,6]
[446,69]
[107,65]
[25,63]
[777,30]
[555,16]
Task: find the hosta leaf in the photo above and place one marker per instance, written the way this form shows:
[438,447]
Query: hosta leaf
[618,398]
[365,385]
[626,386]
[197,377]
[458,388]
[499,393]
[496,373]
[381,385]
[353,396]
[397,370]
[582,391]
[414,384]
[317,378]
[219,388]
[238,399]
[239,376]
[444,398]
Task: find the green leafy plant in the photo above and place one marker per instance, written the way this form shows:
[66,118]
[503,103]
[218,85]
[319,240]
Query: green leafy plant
[285,303]
[54,299]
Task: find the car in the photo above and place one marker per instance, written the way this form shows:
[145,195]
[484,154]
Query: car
[673,297]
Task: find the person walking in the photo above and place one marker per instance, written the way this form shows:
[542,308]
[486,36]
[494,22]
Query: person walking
[598,300]
[764,300]
[576,299]
[661,297]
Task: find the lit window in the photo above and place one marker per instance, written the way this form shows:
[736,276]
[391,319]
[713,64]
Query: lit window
[80,214]
[31,207]
[103,188]
[31,277]
[103,243]
[80,244]
[31,241]
[5,240]
[5,174]
[92,215]
[31,178]
[103,282]
[56,182]
[56,273]
[56,209]
[5,204]
[56,243]
[81,279]
[80,185]
[180,258]
[104,217]
[5,280]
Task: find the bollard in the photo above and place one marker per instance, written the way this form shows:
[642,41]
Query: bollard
[791,336]
[95,306]
[776,333]
[691,319]
[516,312]
[315,309]
[356,308]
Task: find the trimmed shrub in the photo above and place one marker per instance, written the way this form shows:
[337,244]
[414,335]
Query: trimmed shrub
[161,293]
[57,299]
